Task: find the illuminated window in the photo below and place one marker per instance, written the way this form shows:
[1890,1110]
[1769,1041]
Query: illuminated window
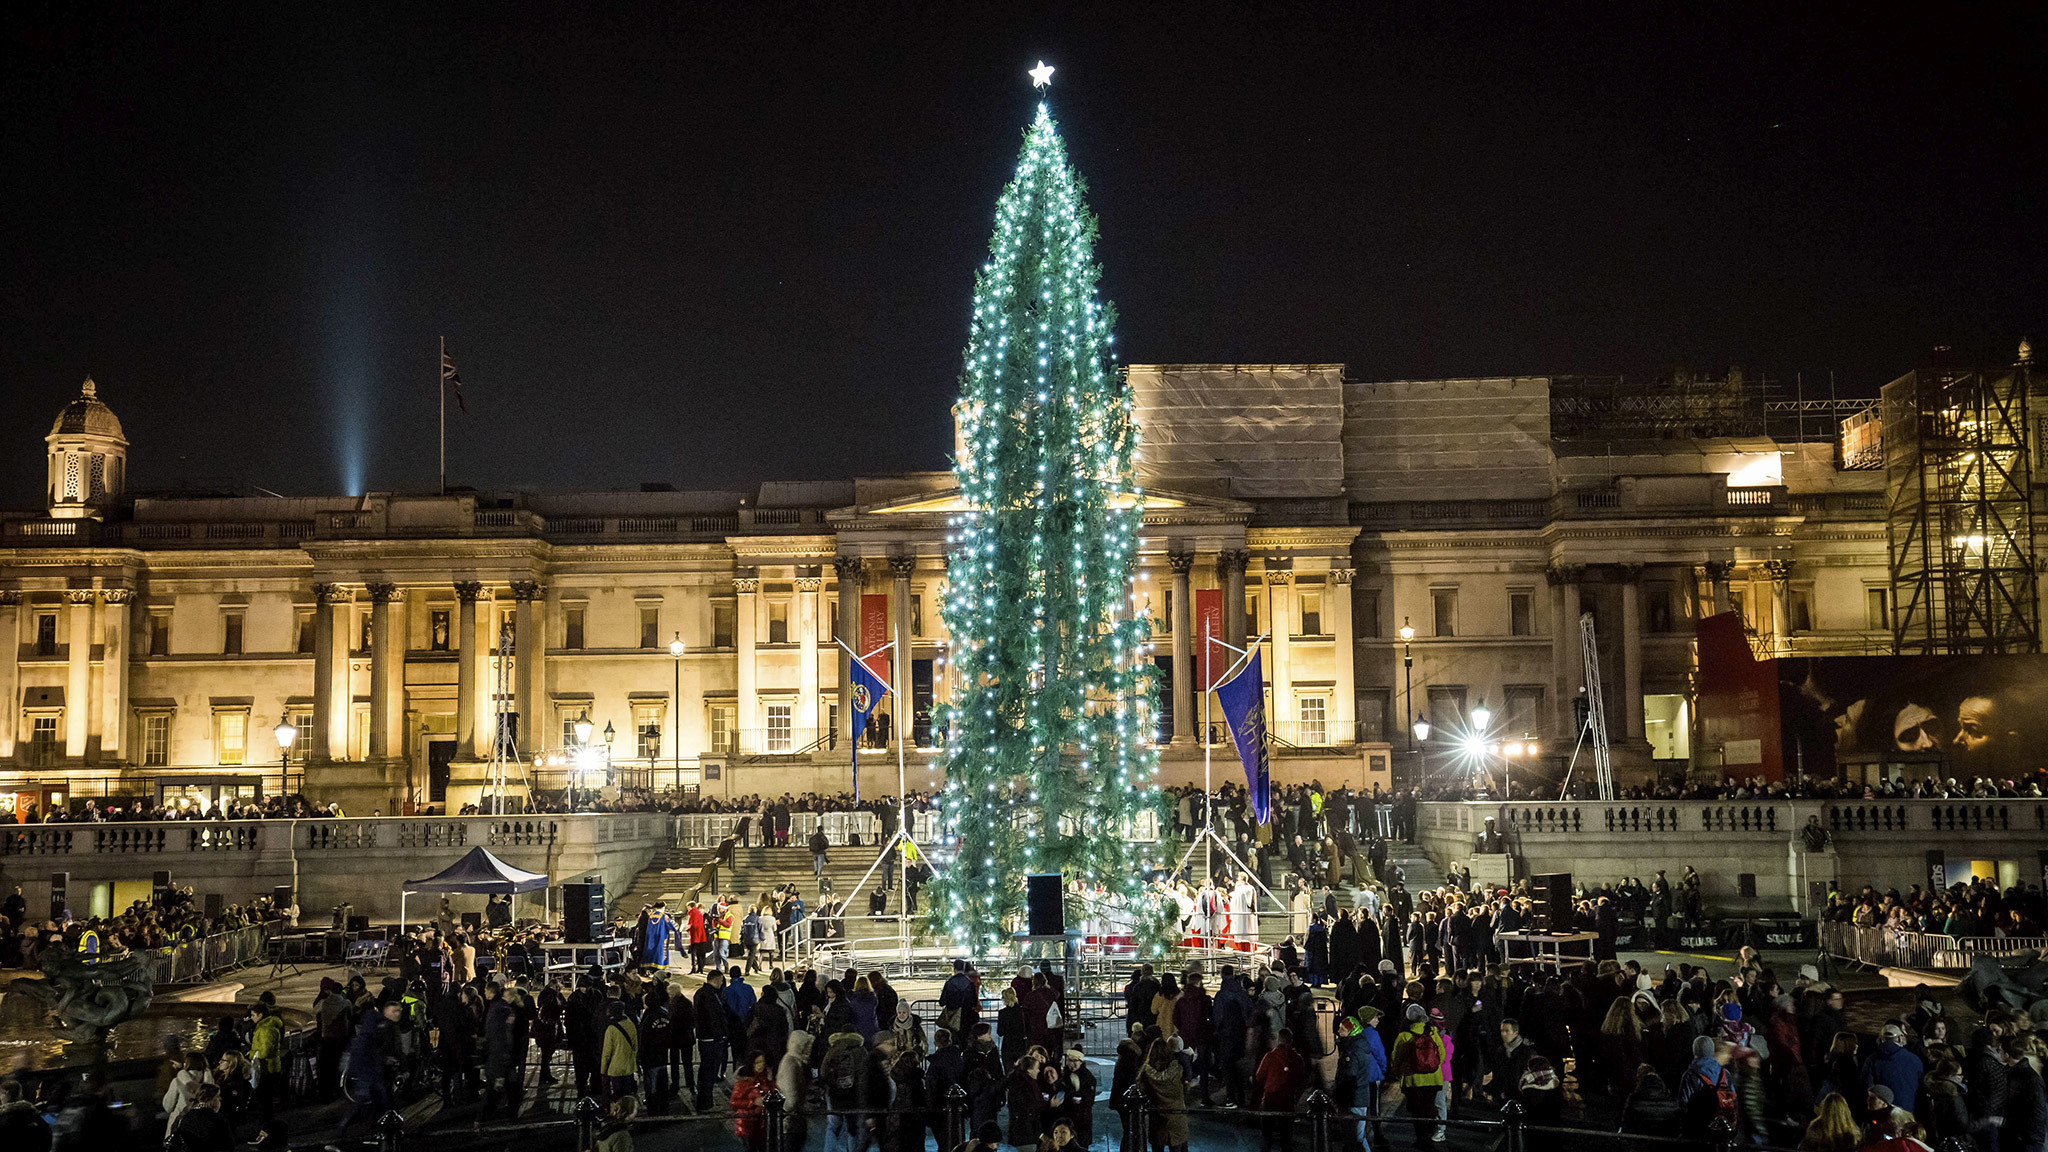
[718,722]
[42,740]
[302,747]
[647,731]
[1315,727]
[1667,724]
[230,737]
[778,727]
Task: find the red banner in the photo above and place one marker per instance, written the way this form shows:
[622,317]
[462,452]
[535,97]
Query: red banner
[1738,701]
[874,632]
[1212,659]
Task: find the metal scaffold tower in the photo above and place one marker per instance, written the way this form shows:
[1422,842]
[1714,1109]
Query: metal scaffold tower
[1958,481]
[1596,709]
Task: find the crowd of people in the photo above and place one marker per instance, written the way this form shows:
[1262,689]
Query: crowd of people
[1977,907]
[145,925]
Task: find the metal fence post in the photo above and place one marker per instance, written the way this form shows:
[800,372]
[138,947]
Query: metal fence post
[773,1105]
[1321,1114]
[1137,1120]
[587,1113]
[956,1117]
[1512,1110]
[391,1131]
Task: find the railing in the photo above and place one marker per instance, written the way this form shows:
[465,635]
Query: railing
[138,839]
[173,837]
[1310,733]
[789,741]
[709,829]
[202,958]
[1756,817]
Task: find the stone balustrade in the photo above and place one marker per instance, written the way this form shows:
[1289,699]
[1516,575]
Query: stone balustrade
[362,861]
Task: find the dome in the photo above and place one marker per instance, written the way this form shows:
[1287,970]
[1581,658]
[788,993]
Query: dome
[87,415]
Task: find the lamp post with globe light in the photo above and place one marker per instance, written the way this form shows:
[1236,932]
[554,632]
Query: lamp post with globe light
[609,735]
[675,649]
[583,728]
[286,732]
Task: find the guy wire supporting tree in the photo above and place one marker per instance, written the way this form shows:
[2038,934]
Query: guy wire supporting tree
[1047,762]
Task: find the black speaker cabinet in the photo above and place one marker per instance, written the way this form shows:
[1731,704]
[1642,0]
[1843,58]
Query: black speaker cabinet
[359,923]
[1745,883]
[216,904]
[1045,910]
[1555,890]
[281,896]
[472,921]
[582,912]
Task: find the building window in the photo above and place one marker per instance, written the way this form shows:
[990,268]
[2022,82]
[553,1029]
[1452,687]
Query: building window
[724,622]
[572,629]
[42,740]
[302,748]
[1521,613]
[1311,613]
[831,619]
[1447,711]
[1366,618]
[1373,712]
[778,727]
[569,719]
[362,632]
[303,629]
[1166,611]
[778,621]
[46,634]
[440,630]
[917,613]
[156,739]
[1738,603]
[1315,726]
[1801,610]
[160,634]
[718,722]
[1524,709]
[1251,613]
[647,731]
[230,737]
[1877,609]
[1667,725]
[1444,605]
[231,633]
[508,627]
[650,626]
[1657,596]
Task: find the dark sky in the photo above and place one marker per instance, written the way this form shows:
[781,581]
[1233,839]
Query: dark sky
[715,244]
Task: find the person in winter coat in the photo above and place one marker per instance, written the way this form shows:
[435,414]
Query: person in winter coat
[202,1128]
[2026,1101]
[183,1093]
[1699,1089]
[1027,1101]
[1230,1016]
[1361,1067]
[22,1127]
[1511,1060]
[793,1078]
[1984,1077]
[1894,1067]
[840,1073]
[617,1133]
[749,1108]
[504,1051]
[266,1059]
[1122,1075]
[1078,1086]
[1165,1085]
[1418,1059]
[1650,1110]
[619,1061]
[1282,1077]
[909,1108]
[1943,1110]
[1542,1101]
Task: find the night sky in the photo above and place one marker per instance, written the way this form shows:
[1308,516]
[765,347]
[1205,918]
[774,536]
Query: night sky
[711,245]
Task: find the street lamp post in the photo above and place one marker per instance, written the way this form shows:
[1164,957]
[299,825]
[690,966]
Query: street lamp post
[675,649]
[286,732]
[583,727]
[1408,668]
[609,735]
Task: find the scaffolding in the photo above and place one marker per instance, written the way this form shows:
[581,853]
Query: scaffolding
[1677,406]
[1959,514]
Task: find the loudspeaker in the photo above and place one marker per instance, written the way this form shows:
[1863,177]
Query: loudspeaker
[359,923]
[160,888]
[1045,910]
[1745,885]
[472,921]
[1555,890]
[59,881]
[582,912]
[281,897]
[216,904]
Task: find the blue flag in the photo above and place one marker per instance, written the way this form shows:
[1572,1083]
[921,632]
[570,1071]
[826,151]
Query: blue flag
[868,691]
[1243,700]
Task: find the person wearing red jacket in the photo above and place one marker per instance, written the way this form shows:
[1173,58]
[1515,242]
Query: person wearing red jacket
[1279,1082]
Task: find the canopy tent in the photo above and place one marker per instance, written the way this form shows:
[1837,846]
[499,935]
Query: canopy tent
[477,874]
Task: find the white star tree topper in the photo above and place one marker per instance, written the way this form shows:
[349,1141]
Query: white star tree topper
[1041,76]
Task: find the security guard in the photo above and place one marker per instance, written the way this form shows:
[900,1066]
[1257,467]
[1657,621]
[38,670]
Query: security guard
[89,943]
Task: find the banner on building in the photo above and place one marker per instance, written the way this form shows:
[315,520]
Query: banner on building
[1738,710]
[874,633]
[1212,659]
[1960,716]
[1937,870]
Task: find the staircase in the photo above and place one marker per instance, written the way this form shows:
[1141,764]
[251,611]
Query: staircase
[752,872]
[1419,871]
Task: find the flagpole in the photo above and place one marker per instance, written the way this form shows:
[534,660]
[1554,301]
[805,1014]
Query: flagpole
[902,816]
[441,375]
[1208,749]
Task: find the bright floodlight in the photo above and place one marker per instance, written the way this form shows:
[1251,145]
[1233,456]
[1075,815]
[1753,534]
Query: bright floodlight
[1475,745]
[286,732]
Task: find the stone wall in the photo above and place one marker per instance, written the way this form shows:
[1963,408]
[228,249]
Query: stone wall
[360,861]
[1882,843]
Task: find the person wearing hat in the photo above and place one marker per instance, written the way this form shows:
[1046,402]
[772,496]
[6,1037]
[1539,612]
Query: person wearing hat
[1361,1068]
[1892,1066]
[1077,1084]
[1419,1059]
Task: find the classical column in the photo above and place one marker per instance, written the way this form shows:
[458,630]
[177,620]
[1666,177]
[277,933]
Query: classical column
[1183,648]
[748,586]
[1337,603]
[1717,576]
[114,673]
[1565,650]
[10,670]
[381,656]
[1230,564]
[78,706]
[323,674]
[900,568]
[469,671]
[849,570]
[1280,590]
[1632,649]
[529,653]
[806,625]
[1780,572]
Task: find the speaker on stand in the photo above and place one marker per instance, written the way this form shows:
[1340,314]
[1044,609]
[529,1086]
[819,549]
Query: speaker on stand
[1044,906]
[1555,889]
[582,912]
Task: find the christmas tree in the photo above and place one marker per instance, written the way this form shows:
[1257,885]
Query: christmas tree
[1047,762]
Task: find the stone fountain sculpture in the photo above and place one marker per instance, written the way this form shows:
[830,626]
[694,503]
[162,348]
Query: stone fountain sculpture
[90,996]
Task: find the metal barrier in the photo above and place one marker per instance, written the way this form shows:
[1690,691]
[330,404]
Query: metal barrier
[197,959]
[1884,947]
[709,829]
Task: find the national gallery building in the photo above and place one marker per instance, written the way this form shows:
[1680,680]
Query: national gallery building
[1399,550]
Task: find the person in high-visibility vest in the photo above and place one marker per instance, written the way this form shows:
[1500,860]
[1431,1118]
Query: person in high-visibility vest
[89,945]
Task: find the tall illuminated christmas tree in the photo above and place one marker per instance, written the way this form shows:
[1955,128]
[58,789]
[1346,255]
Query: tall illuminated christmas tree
[1046,761]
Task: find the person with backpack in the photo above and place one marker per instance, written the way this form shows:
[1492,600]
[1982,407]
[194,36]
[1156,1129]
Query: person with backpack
[1705,1091]
[1419,1061]
[1361,1067]
[840,1073]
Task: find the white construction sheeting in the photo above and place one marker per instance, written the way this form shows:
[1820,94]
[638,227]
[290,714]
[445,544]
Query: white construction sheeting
[1448,439]
[1247,431]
